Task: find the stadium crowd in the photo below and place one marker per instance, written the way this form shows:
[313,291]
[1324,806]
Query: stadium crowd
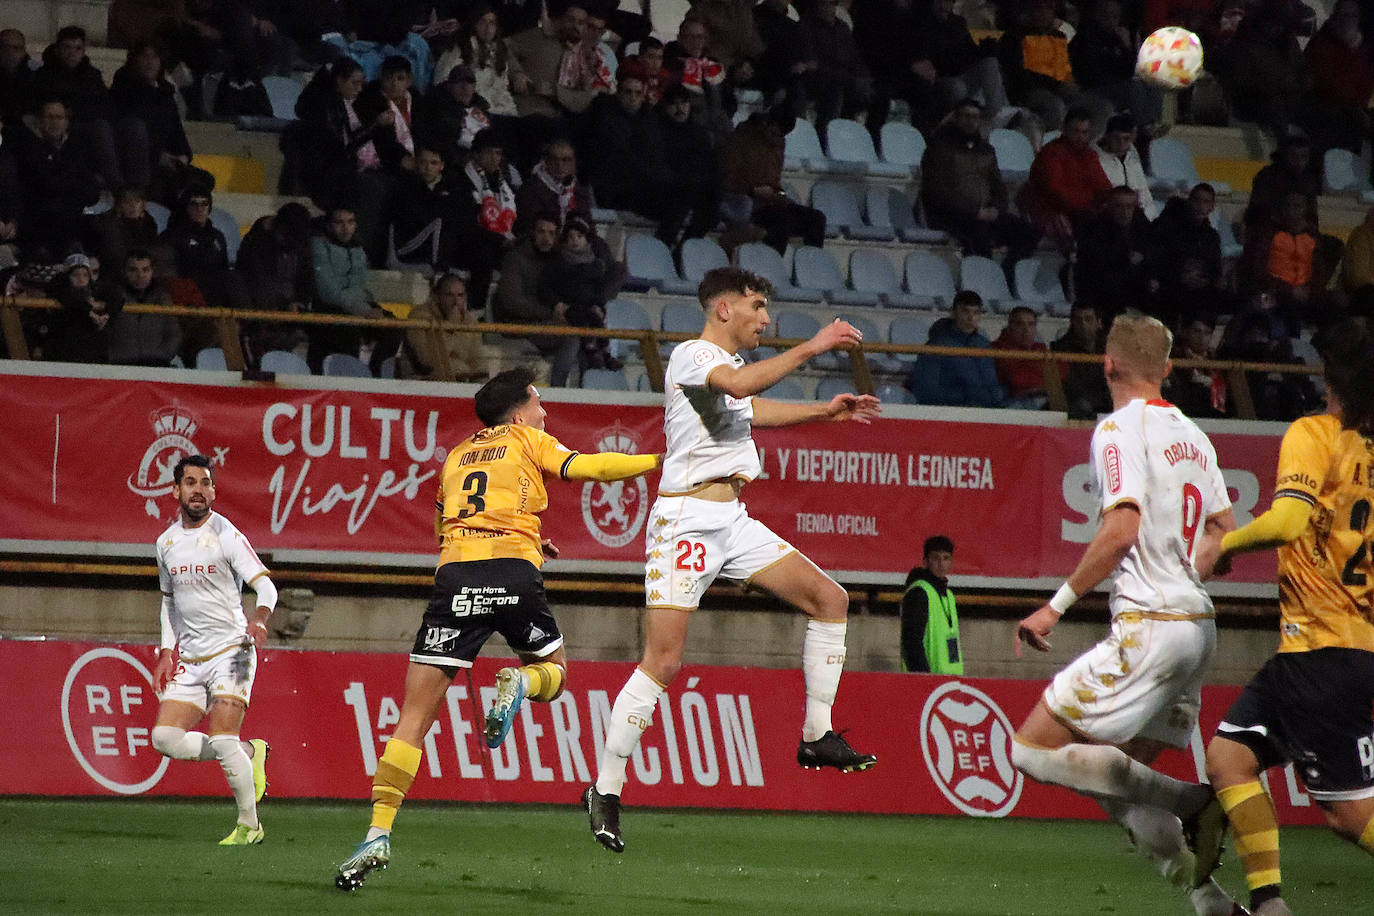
[474,142]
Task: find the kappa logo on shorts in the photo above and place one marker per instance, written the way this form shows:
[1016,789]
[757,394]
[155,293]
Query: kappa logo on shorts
[966,740]
[174,429]
[614,512]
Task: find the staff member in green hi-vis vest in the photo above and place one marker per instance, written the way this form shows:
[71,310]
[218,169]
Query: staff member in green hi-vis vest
[930,622]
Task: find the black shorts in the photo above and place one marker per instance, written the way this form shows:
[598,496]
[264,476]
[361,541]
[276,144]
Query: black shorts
[475,599]
[1316,711]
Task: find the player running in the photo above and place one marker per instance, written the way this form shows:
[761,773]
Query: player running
[488,581]
[202,563]
[1310,704]
[698,529]
[1113,710]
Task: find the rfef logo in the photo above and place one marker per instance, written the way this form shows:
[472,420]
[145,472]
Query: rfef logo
[614,512]
[108,710]
[966,739]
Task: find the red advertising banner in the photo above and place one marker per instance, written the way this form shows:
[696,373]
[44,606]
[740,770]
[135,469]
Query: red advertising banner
[348,474]
[722,737]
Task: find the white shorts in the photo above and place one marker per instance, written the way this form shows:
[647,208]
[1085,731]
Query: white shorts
[1143,681]
[227,674]
[690,541]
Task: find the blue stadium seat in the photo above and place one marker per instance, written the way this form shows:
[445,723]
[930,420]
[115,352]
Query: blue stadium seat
[910,330]
[1038,286]
[787,390]
[1345,173]
[605,380]
[878,362]
[650,266]
[894,394]
[681,318]
[1014,153]
[814,268]
[629,316]
[928,278]
[283,362]
[832,385]
[803,326]
[226,223]
[985,277]
[889,208]
[902,144]
[840,204]
[211,358]
[1172,167]
[699,256]
[872,272]
[282,92]
[159,213]
[1230,248]
[849,143]
[388,368]
[345,365]
[761,259]
[803,150]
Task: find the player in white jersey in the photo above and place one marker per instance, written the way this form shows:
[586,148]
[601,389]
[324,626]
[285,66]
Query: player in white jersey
[210,648]
[1114,709]
[698,529]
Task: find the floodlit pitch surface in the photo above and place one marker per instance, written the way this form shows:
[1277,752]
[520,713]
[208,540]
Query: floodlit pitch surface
[151,857]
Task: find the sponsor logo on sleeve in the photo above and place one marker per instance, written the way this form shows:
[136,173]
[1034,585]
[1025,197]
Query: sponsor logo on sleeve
[1111,463]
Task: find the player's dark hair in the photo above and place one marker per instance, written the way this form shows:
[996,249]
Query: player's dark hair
[937,543]
[504,394]
[191,461]
[1347,349]
[731,280]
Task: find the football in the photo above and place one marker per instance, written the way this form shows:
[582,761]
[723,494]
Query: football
[1170,58]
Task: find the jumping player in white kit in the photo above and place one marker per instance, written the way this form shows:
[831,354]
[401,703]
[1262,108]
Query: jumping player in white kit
[202,563]
[698,529]
[1114,709]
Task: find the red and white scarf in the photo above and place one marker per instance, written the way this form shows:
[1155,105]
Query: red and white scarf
[496,205]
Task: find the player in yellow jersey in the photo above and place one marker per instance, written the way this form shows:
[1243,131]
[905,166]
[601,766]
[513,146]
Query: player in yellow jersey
[1311,703]
[488,581]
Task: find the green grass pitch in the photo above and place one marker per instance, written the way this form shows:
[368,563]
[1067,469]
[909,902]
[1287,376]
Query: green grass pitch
[144,857]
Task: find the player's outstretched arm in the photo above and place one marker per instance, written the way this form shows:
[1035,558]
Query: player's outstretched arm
[607,466]
[1104,553]
[1285,521]
[1209,549]
[861,408]
[754,378]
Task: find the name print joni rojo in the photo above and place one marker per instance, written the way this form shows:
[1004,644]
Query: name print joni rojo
[288,429]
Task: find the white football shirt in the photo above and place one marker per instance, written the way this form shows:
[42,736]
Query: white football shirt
[1148,453]
[204,569]
[709,434]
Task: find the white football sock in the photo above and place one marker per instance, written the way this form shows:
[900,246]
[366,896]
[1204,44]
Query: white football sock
[632,713]
[238,770]
[1157,833]
[822,662]
[180,744]
[1108,772]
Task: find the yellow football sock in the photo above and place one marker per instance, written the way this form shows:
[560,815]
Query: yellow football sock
[395,772]
[1366,840]
[1256,829]
[545,681]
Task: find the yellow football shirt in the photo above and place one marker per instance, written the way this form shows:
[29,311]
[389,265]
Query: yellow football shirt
[492,491]
[1326,578]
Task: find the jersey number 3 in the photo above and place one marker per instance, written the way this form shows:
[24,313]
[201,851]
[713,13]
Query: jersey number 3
[475,488]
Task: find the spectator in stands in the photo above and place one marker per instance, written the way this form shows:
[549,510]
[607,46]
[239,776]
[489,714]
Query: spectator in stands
[1111,272]
[88,306]
[1085,387]
[1120,161]
[224,36]
[143,340]
[579,282]
[487,222]
[839,66]
[540,51]
[340,271]
[1341,63]
[957,381]
[553,188]
[1196,391]
[1262,70]
[518,15]
[17,94]
[391,151]
[157,154]
[1034,54]
[457,113]
[1291,171]
[649,59]
[332,142]
[428,211]
[787,64]
[1102,55]
[1023,379]
[201,250]
[274,260]
[421,356]
[1293,264]
[592,64]
[688,64]
[733,36]
[963,193]
[517,298]
[10,198]
[68,74]
[1357,267]
[125,226]
[684,155]
[1185,259]
[1259,333]
[496,69]
[1066,181]
[57,181]
[751,180]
